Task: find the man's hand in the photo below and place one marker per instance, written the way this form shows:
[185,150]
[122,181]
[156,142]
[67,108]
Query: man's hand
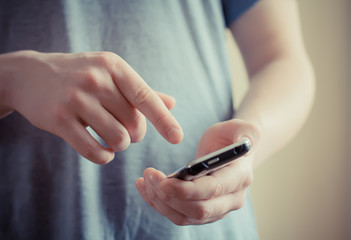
[209,198]
[65,93]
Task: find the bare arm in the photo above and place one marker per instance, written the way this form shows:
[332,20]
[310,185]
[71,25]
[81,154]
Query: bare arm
[277,103]
[281,77]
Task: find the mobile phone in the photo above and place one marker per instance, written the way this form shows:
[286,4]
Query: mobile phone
[213,161]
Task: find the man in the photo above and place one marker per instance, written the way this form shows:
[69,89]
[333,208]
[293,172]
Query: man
[108,66]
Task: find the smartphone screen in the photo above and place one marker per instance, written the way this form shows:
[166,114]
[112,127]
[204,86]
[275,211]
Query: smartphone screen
[213,161]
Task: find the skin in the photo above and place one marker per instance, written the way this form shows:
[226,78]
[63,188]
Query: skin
[65,93]
[275,107]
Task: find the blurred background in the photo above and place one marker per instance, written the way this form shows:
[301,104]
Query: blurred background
[304,191]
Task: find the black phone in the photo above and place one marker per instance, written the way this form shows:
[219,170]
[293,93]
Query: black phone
[213,161]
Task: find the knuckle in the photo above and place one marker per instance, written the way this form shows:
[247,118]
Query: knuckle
[183,192]
[137,127]
[249,180]
[202,212]
[240,202]
[181,220]
[92,80]
[143,95]
[120,141]
[62,116]
[110,61]
[93,152]
[138,137]
[138,118]
[165,197]
[217,187]
[153,198]
[74,97]
[161,119]
[89,151]
[116,136]
[106,58]
[218,190]
[247,175]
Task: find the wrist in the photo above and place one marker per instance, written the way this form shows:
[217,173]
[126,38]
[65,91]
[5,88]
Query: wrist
[251,115]
[9,63]
[5,82]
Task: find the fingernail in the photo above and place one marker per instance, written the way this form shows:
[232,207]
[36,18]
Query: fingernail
[174,135]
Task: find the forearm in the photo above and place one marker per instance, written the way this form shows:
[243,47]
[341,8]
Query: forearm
[278,101]
[4,110]
[6,61]
[12,64]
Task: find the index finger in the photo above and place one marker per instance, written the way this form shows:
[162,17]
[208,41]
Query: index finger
[142,97]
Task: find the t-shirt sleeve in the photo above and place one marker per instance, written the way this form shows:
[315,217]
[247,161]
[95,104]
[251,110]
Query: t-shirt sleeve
[232,9]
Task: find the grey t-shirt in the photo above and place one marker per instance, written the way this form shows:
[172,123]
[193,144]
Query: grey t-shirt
[47,190]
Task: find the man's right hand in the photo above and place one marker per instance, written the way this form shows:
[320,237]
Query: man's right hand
[65,93]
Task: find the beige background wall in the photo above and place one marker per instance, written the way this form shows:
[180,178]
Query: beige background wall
[302,192]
